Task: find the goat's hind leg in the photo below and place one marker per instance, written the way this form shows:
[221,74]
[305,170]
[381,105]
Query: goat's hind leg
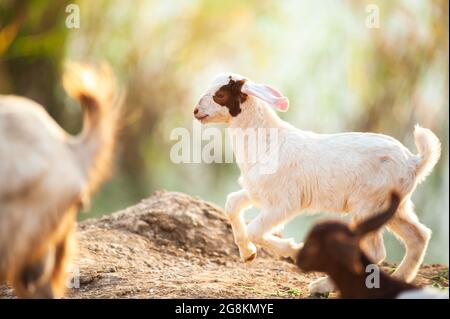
[236,203]
[414,235]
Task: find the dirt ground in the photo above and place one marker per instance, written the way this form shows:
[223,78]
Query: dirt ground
[175,246]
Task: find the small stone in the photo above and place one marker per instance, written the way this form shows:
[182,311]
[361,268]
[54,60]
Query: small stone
[111,269]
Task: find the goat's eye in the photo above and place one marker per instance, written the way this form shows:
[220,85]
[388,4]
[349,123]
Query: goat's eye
[220,97]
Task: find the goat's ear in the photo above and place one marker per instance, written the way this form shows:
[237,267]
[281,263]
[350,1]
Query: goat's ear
[347,253]
[268,94]
[379,219]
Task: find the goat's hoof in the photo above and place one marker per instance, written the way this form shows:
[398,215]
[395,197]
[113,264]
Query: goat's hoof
[401,276]
[250,258]
[249,254]
[322,285]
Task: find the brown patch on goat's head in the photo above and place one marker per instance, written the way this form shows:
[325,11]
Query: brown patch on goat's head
[230,95]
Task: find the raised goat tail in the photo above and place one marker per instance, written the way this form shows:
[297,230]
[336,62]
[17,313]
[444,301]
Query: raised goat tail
[429,148]
[95,89]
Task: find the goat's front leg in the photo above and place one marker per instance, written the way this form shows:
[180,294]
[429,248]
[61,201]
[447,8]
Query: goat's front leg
[236,203]
[260,231]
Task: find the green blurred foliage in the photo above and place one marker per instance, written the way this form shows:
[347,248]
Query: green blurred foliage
[339,74]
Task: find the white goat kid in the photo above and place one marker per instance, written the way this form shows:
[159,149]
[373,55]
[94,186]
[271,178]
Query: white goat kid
[349,172]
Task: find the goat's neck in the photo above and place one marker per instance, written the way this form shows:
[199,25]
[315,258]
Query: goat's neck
[256,114]
[353,285]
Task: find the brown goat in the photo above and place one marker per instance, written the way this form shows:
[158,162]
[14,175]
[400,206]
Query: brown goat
[333,247]
[46,175]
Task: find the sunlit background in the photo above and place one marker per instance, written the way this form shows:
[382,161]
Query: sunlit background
[339,74]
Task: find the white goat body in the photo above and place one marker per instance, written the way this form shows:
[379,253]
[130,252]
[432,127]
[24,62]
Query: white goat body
[349,172]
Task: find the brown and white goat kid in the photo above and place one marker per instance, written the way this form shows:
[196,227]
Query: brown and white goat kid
[333,247]
[347,172]
[46,175]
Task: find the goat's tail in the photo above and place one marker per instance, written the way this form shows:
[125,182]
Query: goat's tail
[429,148]
[95,89]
